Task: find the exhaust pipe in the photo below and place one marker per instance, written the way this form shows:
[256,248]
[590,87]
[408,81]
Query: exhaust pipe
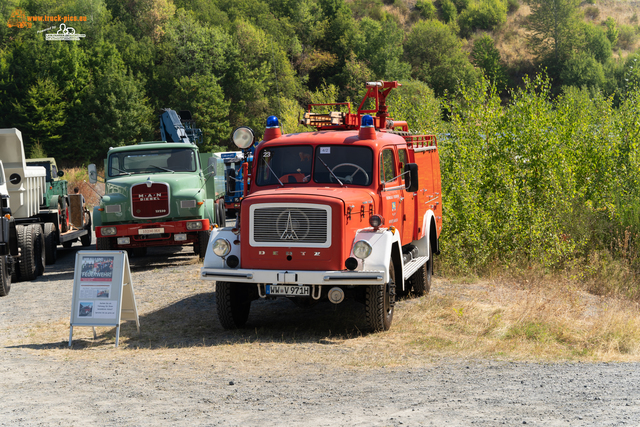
[336,295]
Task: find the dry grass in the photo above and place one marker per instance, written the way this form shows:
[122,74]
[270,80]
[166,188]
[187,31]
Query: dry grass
[512,321]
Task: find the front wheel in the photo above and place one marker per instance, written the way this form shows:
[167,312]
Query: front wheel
[379,303]
[233,304]
[50,244]
[105,243]
[200,248]
[5,275]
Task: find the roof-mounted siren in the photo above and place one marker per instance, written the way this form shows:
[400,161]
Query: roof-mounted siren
[367,129]
[273,129]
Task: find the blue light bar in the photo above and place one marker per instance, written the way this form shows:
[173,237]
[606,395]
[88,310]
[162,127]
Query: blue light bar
[272,122]
[367,121]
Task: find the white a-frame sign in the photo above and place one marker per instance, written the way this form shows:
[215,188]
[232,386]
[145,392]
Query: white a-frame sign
[102,291]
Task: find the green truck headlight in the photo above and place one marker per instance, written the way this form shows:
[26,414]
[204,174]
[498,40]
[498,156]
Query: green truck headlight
[108,231]
[194,225]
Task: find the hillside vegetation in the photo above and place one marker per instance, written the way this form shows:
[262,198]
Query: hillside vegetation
[535,103]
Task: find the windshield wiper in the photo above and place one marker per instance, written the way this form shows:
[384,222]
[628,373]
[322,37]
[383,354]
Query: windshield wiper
[121,171]
[274,174]
[164,169]
[330,171]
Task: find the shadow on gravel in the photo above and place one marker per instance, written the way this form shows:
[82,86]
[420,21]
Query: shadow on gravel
[193,322]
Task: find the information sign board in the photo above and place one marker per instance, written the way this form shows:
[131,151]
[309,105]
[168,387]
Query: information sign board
[102,291]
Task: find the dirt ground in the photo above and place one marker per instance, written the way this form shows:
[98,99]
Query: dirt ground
[185,370]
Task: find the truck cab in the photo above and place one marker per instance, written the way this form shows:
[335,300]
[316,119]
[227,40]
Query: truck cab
[352,210]
[159,194]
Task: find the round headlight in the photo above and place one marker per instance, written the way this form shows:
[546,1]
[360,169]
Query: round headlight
[108,231]
[362,249]
[243,137]
[221,247]
[376,221]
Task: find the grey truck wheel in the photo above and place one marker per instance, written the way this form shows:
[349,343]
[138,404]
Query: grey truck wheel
[379,303]
[50,244]
[5,275]
[27,252]
[233,304]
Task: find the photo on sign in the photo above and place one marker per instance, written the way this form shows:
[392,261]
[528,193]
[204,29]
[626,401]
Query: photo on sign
[85,309]
[96,269]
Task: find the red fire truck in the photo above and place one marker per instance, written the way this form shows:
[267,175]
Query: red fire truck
[352,210]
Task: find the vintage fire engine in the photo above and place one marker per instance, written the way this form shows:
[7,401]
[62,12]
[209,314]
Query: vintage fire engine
[352,210]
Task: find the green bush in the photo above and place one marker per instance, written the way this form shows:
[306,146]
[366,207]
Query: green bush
[448,11]
[483,15]
[427,9]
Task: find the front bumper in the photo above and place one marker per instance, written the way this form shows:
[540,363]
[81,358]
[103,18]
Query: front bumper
[139,238]
[294,277]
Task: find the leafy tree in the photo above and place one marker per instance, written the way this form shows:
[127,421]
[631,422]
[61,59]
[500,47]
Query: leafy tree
[436,57]
[553,30]
[427,9]
[208,107]
[486,56]
[582,70]
[42,115]
[379,46]
[143,17]
[612,30]
[596,43]
[448,10]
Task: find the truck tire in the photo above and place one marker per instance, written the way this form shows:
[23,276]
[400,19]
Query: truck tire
[203,240]
[220,214]
[421,279]
[63,215]
[86,239]
[27,252]
[50,245]
[5,275]
[39,249]
[233,304]
[379,303]
[105,243]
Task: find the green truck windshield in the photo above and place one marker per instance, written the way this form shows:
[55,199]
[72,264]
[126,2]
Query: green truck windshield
[152,161]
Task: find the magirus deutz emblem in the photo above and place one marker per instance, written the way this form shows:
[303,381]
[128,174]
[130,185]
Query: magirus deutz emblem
[292,224]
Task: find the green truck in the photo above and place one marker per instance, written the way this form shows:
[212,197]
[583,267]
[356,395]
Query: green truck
[158,194]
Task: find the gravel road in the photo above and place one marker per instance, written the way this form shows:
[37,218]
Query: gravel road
[182,384]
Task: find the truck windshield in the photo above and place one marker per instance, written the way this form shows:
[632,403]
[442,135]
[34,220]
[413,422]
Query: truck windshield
[152,161]
[348,164]
[284,165]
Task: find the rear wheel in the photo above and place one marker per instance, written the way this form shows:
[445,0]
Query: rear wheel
[233,304]
[379,303]
[105,243]
[86,239]
[27,252]
[5,275]
[220,215]
[50,244]
[421,279]
[39,249]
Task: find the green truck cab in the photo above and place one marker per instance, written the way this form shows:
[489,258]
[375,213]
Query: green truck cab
[158,194]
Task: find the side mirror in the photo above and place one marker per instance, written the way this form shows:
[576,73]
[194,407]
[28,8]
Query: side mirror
[93,174]
[411,179]
[60,174]
[211,165]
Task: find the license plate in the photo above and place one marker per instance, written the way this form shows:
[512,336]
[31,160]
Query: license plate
[151,231]
[288,290]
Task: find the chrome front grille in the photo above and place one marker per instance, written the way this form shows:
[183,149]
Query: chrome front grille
[282,224]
